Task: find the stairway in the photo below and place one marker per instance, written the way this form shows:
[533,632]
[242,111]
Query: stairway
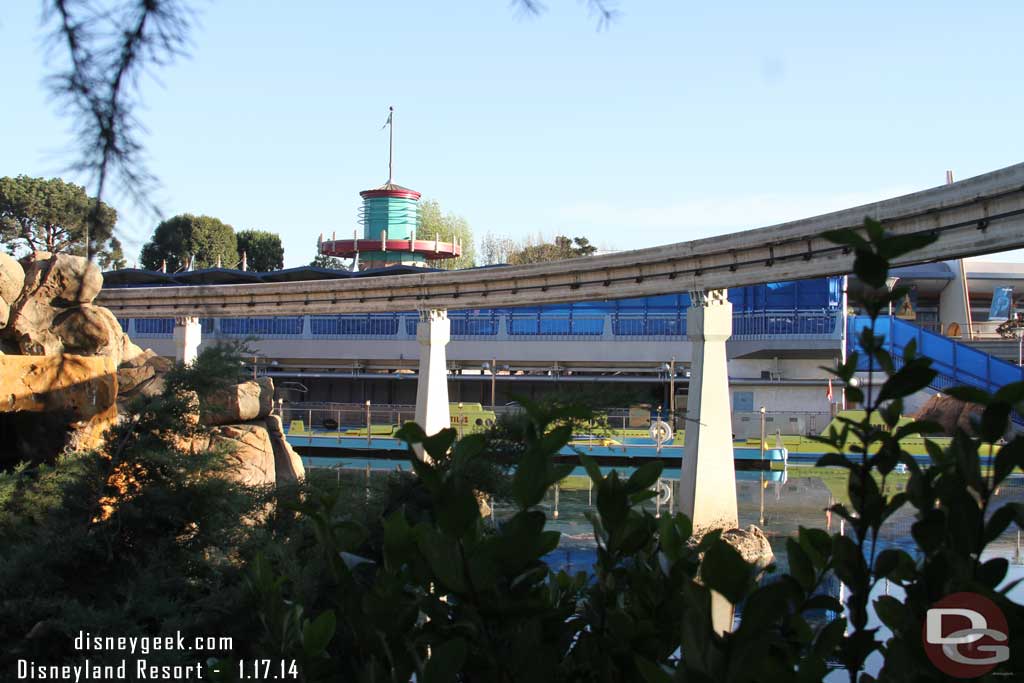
[1006,349]
[957,363]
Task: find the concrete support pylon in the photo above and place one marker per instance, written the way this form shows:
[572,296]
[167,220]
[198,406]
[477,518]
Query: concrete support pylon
[187,336]
[433,333]
[707,486]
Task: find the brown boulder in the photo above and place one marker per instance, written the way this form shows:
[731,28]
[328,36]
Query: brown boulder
[287,463]
[249,445]
[142,375]
[239,403]
[53,402]
[950,413]
[54,313]
[12,280]
[61,280]
[752,545]
[86,330]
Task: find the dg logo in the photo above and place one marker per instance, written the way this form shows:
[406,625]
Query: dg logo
[965,635]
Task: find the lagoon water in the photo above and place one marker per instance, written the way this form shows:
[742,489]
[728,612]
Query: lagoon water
[778,502]
[787,500]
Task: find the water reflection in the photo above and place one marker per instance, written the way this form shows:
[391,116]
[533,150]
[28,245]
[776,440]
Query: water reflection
[779,502]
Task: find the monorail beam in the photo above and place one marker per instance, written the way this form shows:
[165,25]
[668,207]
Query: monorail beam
[979,215]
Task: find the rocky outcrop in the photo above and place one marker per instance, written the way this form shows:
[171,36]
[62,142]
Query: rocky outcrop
[76,364]
[52,402]
[54,313]
[240,403]
[752,545]
[249,445]
[287,463]
[12,280]
[950,413]
[142,376]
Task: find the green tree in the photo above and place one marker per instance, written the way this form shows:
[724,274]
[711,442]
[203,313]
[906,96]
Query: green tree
[496,249]
[447,227]
[112,257]
[263,249]
[561,248]
[329,262]
[179,238]
[53,215]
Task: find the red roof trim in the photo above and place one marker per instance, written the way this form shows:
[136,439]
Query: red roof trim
[401,194]
[425,248]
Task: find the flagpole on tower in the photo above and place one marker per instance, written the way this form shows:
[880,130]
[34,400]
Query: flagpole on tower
[391,143]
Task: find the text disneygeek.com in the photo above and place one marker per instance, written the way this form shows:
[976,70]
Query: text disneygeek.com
[134,666]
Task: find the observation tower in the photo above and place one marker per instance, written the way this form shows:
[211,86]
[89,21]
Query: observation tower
[390,218]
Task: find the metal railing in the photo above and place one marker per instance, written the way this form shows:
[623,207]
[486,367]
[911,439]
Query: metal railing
[800,323]
[542,325]
[767,324]
[269,328]
[354,326]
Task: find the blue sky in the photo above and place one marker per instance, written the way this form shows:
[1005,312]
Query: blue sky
[681,120]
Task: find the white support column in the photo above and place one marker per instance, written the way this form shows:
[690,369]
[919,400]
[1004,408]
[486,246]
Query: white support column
[433,333]
[707,486]
[187,336]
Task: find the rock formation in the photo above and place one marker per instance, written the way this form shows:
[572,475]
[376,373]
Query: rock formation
[52,402]
[66,365]
[54,313]
[12,280]
[950,413]
[751,543]
[240,403]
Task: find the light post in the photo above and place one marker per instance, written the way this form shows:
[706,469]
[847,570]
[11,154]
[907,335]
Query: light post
[760,518]
[890,284]
[854,382]
[762,411]
[663,370]
[672,391]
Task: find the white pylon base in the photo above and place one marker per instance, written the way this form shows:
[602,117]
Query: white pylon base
[188,334]
[433,333]
[707,486]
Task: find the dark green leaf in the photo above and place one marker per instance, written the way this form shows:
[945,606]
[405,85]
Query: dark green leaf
[994,571]
[892,612]
[651,672]
[724,570]
[445,662]
[846,236]
[593,470]
[644,476]
[870,268]
[318,634]
[1009,457]
[800,566]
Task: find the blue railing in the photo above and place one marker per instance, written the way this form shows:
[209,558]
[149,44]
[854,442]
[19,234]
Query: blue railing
[369,325]
[514,323]
[541,325]
[154,327]
[957,363]
[261,327]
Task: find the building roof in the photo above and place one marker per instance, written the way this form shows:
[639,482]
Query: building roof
[390,190]
[135,277]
